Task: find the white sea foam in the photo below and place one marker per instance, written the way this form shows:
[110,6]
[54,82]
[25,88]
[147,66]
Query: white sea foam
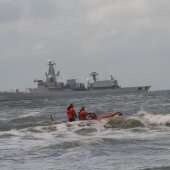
[154,119]
[77,125]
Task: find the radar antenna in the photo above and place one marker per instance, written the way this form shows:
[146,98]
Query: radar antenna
[93,75]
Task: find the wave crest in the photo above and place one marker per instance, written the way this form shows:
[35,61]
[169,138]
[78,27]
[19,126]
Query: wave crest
[154,119]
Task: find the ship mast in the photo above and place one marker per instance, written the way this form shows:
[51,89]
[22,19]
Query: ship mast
[50,77]
[51,71]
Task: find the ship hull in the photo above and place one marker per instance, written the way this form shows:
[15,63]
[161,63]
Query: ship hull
[61,93]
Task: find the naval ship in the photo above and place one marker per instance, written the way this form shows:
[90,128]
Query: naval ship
[50,87]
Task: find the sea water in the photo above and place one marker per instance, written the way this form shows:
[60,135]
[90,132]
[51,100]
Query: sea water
[30,140]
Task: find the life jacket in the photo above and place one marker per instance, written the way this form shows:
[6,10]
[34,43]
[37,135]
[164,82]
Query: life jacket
[70,113]
[82,115]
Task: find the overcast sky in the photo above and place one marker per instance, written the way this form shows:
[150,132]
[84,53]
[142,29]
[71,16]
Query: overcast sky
[127,38]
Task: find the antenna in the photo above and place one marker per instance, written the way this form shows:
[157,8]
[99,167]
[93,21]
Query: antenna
[94,74]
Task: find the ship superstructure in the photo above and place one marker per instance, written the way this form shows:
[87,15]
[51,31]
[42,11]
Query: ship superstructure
[95,84]
[51,83]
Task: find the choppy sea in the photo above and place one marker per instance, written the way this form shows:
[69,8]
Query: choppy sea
[30,140]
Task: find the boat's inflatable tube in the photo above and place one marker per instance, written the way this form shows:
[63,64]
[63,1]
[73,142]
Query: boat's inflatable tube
[93,116]
[109,115]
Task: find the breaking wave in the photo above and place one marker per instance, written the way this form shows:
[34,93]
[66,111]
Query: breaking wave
[149,119]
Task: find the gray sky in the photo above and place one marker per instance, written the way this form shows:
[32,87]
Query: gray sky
[127,38]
